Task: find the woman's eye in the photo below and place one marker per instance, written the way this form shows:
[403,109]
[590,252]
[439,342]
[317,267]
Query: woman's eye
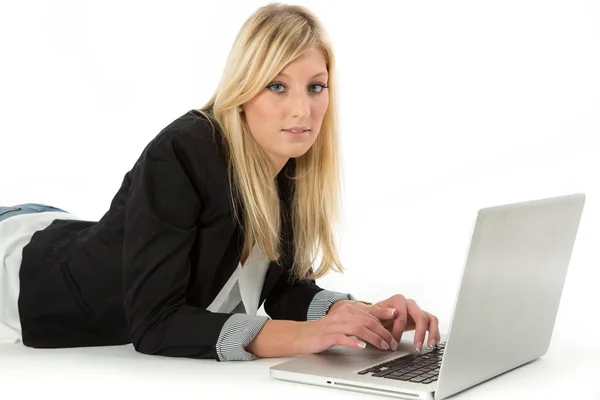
[320,87]
[273,87]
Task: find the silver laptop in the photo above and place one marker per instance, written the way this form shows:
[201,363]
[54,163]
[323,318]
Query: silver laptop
[503,315]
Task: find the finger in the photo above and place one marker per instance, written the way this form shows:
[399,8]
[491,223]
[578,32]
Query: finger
[352,342]
[421,323]
[368,335]
[401,318]
[382,332]
[368,329]
[434,331]
[382,313]
[351,313]
[358,311]
[379,328]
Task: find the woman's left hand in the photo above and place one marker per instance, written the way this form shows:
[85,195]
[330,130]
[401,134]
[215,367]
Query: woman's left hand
[407,316]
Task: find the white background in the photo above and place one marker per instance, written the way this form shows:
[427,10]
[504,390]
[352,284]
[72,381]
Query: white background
[446,107]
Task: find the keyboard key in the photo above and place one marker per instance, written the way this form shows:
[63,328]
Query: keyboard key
[382,373]
[398,378]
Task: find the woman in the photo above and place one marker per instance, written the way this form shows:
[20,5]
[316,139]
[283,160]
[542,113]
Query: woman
[226,208]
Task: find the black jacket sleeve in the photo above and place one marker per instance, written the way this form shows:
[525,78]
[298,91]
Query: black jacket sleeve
[163,206]
[291,298]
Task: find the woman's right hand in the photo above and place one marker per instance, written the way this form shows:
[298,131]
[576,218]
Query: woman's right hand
[349,325]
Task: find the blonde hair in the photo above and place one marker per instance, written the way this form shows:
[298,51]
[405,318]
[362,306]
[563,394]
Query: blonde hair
[272,37]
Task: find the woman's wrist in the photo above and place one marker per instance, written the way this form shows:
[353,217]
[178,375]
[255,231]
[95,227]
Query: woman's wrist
[277,338]
[359,303]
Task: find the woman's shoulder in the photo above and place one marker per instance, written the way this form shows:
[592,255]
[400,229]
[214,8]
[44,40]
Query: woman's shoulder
[193,123]
[191,134]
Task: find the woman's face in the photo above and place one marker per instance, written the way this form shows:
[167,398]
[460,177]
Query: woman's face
[296,99]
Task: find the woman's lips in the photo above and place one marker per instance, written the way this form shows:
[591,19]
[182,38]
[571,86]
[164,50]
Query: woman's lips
[296,133]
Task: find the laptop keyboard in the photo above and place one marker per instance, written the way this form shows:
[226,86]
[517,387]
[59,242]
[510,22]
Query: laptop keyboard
[418,368]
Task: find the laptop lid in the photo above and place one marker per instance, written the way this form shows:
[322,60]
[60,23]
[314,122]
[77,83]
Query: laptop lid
[510,290]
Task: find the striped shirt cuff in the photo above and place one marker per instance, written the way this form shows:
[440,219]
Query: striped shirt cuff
[237,333]
[320,304]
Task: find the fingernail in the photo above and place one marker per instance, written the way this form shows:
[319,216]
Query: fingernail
[362,344]
[419,346]
[391,311]
[394,345]
[384,345]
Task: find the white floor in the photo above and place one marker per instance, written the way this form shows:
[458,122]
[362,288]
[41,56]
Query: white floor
[566,371]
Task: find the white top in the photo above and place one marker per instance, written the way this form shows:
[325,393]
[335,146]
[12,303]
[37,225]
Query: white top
[241,293]
[245,285]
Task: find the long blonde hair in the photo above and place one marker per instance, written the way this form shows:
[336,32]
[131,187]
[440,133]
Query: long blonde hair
[272,37]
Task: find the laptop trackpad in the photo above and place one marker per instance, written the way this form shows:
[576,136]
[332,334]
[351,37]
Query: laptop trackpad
[350,359]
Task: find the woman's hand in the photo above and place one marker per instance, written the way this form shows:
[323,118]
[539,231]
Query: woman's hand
[408,316]
[346,325]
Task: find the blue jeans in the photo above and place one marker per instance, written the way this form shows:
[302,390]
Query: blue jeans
[28,208]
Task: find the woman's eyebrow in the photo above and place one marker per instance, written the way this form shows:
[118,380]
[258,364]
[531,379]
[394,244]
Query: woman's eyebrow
[314,76]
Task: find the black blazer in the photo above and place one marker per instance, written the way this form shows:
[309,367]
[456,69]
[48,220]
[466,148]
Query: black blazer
[146,271]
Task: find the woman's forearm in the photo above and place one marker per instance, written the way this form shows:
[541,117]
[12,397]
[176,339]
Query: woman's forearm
[277,338]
